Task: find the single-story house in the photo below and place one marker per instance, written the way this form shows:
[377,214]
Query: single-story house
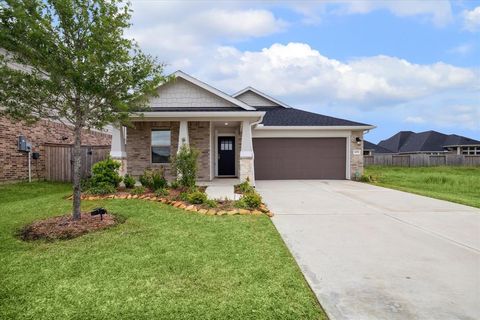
[430,142]
[370,148]
[246,135]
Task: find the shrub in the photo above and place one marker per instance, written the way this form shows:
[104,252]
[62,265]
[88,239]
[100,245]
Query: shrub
[211,203]
[105,171]
[251,200]
[153,179]
[197,197]
[183,196]
[184,165]
[162,192]
[365,178]
[138,190]
[245,187]
[129,181]
[174,184]
[101,188]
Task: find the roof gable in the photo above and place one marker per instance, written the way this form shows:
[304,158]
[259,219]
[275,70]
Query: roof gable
[184,91]
[256,98]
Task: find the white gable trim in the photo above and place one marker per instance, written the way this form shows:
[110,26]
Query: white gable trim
[263,95]
[203,85]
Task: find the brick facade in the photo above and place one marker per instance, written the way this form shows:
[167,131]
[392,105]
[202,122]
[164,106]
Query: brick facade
[139,146]
[14,164]
[356,160]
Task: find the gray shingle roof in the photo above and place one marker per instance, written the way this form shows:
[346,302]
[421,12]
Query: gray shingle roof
[407,141]
[367,145]
[203,109]
[280,116]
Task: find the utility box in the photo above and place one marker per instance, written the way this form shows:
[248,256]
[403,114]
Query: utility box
[23,144]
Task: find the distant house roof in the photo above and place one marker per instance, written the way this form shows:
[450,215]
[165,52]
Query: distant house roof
[409,142]
[280,116]
[367,145]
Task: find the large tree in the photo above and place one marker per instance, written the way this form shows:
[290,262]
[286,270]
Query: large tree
[69,60]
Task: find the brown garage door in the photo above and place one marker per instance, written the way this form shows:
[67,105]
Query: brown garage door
[299,158]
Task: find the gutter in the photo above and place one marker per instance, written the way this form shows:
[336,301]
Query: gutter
[262,127]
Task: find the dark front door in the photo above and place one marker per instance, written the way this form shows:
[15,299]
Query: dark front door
[226,156]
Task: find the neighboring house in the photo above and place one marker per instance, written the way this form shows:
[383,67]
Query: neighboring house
[369,149]
[246,135]
[14,163]
[430,142]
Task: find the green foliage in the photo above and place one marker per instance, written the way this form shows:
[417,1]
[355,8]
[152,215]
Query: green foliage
[129,181]
[162,192]
[154,179]
[101,188]
[183,196]
[211,203]
[106,171]
[197,197]
[245,187]
[174,184]
[139,190]
[365,178]
[251,200]
[184,164]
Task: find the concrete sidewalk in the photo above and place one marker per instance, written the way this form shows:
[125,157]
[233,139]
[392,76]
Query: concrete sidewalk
[376,253]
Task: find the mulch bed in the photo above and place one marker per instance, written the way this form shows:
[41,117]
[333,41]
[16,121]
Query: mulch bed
[64,227]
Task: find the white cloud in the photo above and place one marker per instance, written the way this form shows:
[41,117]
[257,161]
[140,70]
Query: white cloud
[412,119]
[296,70]
[462,49]
[439,12]
[471,20]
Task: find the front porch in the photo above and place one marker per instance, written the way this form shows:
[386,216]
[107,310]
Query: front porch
[225,146]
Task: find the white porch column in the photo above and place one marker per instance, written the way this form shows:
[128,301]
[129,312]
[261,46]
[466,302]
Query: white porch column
[183,134]
[246,154]
[117,150]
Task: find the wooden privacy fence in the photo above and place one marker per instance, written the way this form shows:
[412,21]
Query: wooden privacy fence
[59,161]
[421,160]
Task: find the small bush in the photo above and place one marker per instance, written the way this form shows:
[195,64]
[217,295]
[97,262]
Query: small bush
[174,185]
[197,197]
[211,203]
[101,188]
[183,196]
[250,200]
[138,190]
[129,181]
[162,192]
[184,165]
[245,187]
[105,171]
[153,179]
[365,178]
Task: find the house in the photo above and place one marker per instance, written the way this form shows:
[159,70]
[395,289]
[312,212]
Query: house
[430,142]
[246,135]
[14,163]
[370,148]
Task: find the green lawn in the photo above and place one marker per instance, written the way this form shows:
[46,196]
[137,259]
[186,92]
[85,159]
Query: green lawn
[162,263]
[456,184]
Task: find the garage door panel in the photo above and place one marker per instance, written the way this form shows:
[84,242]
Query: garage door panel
[299,158]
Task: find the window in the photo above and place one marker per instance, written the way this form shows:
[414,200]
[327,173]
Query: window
[226,145]
[160,146]
[471,150]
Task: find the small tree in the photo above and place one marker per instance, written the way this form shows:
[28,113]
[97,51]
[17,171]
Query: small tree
[184,165]
[75,67]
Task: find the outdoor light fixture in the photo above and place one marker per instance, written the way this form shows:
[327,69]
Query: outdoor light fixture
[358,140]
[226,123]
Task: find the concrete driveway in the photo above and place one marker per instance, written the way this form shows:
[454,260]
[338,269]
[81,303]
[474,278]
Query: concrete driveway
[375,253]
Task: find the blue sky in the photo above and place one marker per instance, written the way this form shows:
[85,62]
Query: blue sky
[399,65]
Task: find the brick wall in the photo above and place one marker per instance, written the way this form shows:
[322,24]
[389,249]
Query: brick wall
[14,164]
[139,144]
[356,161]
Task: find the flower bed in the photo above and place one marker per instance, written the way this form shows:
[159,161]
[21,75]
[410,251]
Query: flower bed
[222,207]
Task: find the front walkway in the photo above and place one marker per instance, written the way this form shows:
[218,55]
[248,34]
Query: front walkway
[375,253]
[221,188]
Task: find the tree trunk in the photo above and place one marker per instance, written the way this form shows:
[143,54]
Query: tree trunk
[77,163]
